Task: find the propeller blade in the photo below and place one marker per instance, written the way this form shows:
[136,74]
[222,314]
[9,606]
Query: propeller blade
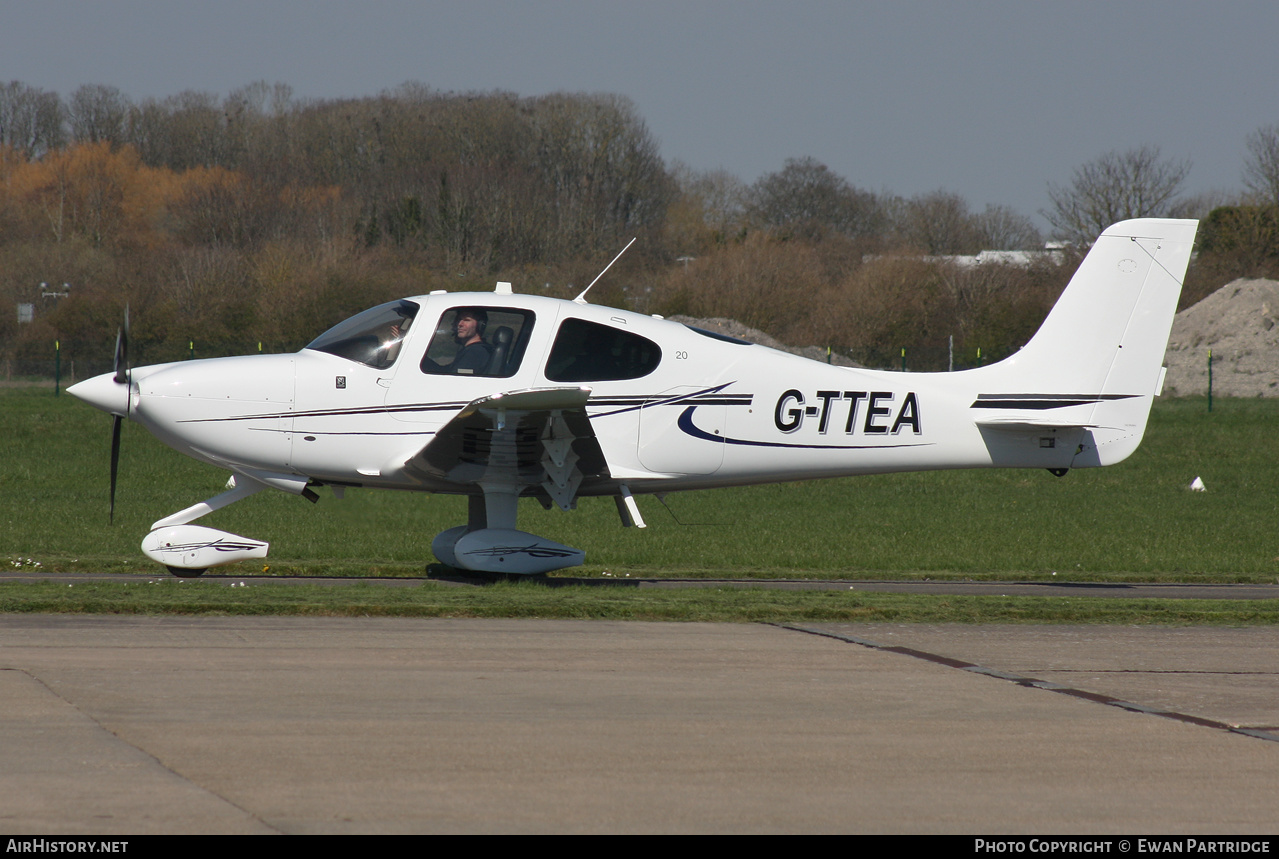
[115,460]
[128,369]
[123,377]
[122,350]
[121,356]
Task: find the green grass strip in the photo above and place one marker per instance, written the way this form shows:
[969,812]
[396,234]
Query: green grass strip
[533,600]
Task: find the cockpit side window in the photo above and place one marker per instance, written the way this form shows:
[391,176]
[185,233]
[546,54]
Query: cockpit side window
[590,352]
[479,341]
[372,337]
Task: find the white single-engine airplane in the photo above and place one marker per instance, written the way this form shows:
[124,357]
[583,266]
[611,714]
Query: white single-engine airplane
[499,396]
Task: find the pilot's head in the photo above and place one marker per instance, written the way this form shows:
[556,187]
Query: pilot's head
[470,323]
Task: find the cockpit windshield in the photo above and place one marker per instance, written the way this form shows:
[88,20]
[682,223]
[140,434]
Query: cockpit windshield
[372,337]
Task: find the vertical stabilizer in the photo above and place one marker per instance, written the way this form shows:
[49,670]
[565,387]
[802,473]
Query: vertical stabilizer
[1097,360]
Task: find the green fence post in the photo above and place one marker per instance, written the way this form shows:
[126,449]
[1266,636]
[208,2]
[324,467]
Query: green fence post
[1209,380]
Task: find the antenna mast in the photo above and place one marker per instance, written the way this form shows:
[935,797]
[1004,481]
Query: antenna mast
[581,299]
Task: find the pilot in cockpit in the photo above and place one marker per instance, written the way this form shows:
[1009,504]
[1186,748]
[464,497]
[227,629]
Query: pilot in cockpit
[473,353]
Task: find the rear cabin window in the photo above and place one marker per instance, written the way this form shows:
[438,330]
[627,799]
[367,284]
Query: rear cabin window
[478,341]
[590,352]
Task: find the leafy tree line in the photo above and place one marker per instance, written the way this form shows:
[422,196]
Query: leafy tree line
[256,220]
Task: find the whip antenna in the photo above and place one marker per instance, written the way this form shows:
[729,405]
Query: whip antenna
[581,299]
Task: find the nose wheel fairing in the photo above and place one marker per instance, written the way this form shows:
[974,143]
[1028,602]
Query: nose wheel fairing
[187,549]
[194,547]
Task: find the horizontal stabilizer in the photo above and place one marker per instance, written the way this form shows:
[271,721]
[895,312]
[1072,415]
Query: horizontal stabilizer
[1019,425]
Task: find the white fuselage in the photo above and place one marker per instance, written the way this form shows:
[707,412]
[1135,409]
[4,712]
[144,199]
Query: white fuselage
[712,413]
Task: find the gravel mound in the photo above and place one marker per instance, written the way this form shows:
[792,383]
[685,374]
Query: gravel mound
[1238,323]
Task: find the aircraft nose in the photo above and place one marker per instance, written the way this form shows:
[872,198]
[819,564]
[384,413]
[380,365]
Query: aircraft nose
[103,392]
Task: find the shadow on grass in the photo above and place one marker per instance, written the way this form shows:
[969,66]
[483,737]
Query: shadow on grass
[442,573]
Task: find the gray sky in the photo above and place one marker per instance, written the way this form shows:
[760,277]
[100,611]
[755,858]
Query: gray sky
[991,100]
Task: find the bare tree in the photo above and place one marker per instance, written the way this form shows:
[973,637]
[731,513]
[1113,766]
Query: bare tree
[1261,168]
[601,164]
[709,208]
[807,198]
[1138,183]
[98,114]
[182,131]
[939,223]
[1003,229]
[718,194]
[30,119]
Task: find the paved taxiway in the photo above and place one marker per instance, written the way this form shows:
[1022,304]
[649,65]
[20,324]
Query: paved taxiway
[242,725]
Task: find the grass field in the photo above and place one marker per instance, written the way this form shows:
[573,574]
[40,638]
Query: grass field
[1136,521]
[160,596]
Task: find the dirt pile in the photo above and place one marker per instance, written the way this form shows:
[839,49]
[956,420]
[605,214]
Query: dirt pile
[1240,324]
